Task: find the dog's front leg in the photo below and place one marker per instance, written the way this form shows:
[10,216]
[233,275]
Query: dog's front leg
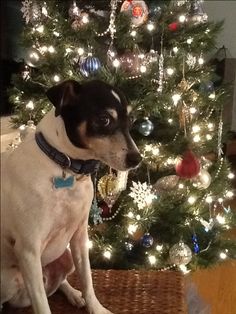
[79,249]
[31,269]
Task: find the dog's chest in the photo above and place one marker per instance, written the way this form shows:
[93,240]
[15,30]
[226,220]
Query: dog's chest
[69,211]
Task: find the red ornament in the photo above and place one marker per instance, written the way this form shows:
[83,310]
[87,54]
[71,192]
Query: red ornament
[189,166]
[106,210]
[173,26]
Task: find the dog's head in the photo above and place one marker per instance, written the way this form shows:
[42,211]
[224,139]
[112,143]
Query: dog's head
[96,118]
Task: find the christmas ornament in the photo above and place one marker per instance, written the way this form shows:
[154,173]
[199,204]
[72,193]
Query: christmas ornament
[147,240]
[189,166]
[31,11]
[173,26]
[122,177]
[207,87]
[166,184]
[196,248]
[180,254]
[33,57]
[80,21]
[203,180]
[74,11]
[142,194]
[152,56]
[208,225]
[146,127]
[105,209]
[25,73]
[27,129]
[137,10]
[129,244]
[191,60]
[95,212]
[197,14]
[89,65]
[130,62]
[107,187]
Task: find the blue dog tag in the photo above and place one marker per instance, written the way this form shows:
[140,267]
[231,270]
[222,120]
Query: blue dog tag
[60,182]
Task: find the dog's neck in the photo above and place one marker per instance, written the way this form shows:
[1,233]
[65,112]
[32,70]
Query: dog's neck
[53,129]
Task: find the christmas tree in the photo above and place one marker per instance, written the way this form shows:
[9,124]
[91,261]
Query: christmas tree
[172,211]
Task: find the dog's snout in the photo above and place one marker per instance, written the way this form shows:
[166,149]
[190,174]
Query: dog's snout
[133,159]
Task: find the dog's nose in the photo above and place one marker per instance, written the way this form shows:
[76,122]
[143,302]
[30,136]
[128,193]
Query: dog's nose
[133,159]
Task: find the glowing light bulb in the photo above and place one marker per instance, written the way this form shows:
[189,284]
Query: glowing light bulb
[170,121]
[150,27]
[80,51]
[44,49]
[220,219]
[130,215]
[212,96]
[175,49]
[220,200]
[152,259]
[209,199]
[209,137]
[210,126]
[132,228]
[184,269]
[182,18]
[231,175]
[70,72]
[133,33]
[189,40]
[156,151]
[116,63]
[176,98]
[197,138]
[56,34]
[229,194]
[200,61]
[181,186]
[143,68]
[44,11]
[30,105]
[159,248]
[107,254]
[192,200]
[56,78]
[193,110]
[223,255]
[85,19]
[40,29]
[170,71]
[51,49]
[196,128]
[138,217]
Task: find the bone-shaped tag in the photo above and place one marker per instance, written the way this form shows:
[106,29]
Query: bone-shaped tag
[60,182]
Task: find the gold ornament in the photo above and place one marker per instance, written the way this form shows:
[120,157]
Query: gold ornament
[108,188]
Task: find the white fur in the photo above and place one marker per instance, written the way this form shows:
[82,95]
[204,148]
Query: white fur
[38,221]
[116,95]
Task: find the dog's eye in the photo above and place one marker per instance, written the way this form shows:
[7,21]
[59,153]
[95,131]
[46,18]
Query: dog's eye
[104,120]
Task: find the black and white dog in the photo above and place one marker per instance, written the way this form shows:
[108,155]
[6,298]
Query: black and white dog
[47,193]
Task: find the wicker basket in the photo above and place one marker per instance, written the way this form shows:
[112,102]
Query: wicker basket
[130,292]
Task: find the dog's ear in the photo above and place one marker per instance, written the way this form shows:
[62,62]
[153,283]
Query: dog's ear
[60,95]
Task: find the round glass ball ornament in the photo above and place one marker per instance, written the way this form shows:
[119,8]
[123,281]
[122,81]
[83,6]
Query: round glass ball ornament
[33,57]
[147,240]
[89,65]
[180,254]
[165,184]
[146,127]
[207,87]
[203,180]
[188,166]
[137,10]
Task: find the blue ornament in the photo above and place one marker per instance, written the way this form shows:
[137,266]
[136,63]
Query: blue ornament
[95,212]
[207,87]
[146,127]
[147,240]
[89,65]
[196,248]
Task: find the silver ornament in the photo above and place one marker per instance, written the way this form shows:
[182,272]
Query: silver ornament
[180,254]
[146,127]
[203,180]
[33,57]
[166,184]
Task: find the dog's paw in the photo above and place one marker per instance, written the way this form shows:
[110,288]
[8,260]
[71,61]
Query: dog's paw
[75,298]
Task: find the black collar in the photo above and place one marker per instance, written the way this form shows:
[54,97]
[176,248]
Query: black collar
[66,162]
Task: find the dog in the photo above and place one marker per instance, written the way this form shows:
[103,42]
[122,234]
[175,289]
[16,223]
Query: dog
[47,192]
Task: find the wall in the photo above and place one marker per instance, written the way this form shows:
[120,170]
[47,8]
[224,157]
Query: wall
[226,10]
